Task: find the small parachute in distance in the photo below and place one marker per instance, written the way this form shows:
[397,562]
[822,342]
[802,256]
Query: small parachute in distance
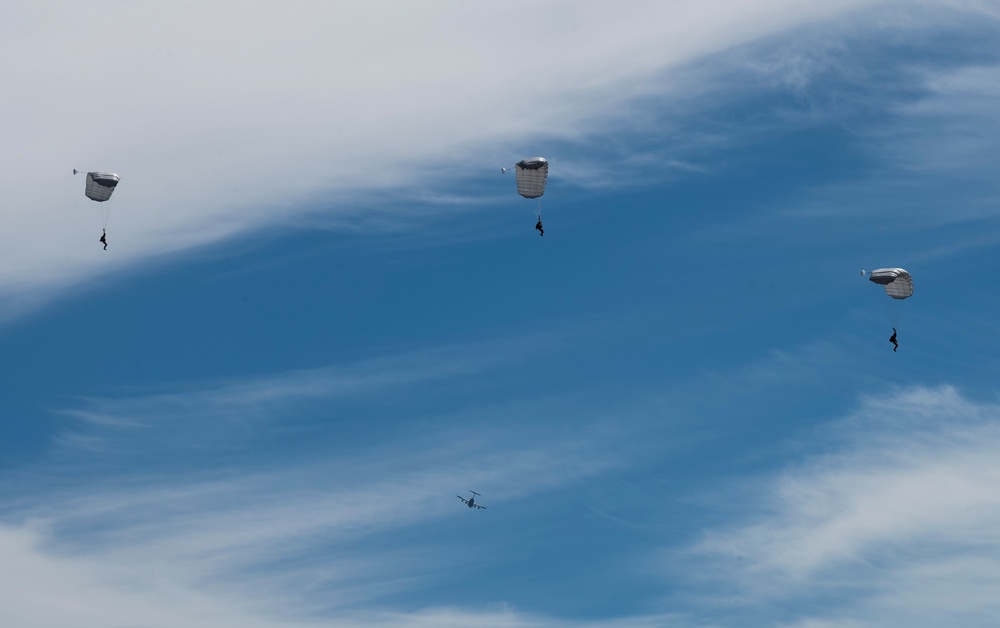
[897,281]
[531,175]
[100,185]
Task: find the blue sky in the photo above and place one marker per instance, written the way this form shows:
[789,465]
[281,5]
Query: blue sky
[324,312]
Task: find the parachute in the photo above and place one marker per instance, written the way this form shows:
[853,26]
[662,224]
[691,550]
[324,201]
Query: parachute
[100,186]
[898,283]
[531,175]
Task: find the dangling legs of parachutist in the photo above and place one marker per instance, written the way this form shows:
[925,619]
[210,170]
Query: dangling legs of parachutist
[892,339]
[538,226]
[104,238]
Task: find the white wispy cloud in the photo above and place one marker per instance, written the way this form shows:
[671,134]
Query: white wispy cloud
[895,523]
[916,117]
[899,493]
[226,117]
[960,108]
[309,540]
[248,542]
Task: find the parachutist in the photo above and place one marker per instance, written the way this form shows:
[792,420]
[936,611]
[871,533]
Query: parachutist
[100,186]
[531,175]
[898,284]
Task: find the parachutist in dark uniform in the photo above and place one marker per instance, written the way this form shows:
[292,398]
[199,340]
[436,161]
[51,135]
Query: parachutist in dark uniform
[538,225]
[892,339]
[104,238]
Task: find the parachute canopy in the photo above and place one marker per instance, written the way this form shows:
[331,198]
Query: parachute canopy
[100,185]
[898,283]
[531,174]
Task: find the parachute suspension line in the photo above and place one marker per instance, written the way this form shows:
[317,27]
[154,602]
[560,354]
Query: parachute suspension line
[103,212]
[892,310]
[98,213]
[897,313]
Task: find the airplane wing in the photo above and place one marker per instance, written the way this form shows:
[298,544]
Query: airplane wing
[464,501]
[478,506]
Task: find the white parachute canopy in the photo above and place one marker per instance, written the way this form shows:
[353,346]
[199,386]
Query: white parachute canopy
[100,185]
[531,175]
[898,283]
